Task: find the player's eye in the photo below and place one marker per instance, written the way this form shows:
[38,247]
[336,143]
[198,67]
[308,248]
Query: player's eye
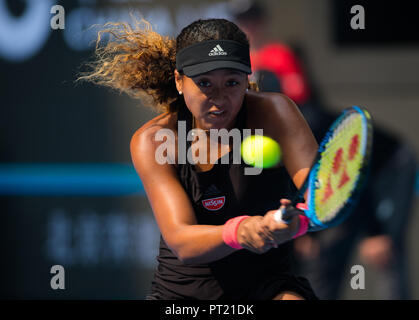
[232,83]
[204,83]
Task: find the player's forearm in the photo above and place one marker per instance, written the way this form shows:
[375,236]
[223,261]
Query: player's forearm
[195,244]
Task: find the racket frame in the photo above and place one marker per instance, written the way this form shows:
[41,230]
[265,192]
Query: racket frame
[310,181]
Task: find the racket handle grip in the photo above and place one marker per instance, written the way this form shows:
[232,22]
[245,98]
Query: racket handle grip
[281,216]
[285,214]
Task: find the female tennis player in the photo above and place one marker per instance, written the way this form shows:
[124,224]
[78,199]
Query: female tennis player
[219,236]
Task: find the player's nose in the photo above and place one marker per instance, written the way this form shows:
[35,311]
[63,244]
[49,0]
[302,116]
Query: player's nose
[216,97]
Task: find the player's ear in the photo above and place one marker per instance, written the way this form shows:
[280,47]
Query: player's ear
[179,81]
[252,86]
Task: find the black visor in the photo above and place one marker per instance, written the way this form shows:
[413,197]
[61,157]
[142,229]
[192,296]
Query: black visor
[210,55]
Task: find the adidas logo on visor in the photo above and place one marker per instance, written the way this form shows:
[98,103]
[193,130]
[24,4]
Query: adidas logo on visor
[217,51]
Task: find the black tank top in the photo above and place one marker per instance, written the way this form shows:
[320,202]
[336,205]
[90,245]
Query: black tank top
[217,195]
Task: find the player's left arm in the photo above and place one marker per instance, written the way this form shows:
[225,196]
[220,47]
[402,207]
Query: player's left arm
[281,120]
[299,147]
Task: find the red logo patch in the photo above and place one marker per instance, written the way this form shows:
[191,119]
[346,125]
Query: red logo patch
[214,204]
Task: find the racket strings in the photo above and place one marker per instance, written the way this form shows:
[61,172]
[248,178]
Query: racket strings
[339,166]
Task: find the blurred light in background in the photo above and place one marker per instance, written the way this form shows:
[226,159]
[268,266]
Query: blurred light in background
[417,184]
[91,239]
[52,179]
[22,37]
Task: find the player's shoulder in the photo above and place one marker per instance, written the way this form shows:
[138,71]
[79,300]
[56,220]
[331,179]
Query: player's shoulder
[270,102]
[144,141]
[274,112]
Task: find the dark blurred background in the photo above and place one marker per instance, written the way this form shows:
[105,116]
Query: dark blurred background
[68,192]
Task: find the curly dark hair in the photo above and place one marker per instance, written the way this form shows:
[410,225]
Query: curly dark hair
[141,62]
[210,29]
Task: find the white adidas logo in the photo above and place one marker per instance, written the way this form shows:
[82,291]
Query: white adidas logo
[217,51]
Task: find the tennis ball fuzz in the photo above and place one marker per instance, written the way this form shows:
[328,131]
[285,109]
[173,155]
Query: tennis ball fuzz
[260,151]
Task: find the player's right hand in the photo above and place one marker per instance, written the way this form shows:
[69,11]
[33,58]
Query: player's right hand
[251,235]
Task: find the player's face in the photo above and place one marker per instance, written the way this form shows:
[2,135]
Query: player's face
[215,97]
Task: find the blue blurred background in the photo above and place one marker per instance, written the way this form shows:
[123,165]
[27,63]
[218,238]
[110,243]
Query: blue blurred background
[68,192]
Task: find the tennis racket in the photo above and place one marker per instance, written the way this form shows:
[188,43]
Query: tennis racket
[338,173]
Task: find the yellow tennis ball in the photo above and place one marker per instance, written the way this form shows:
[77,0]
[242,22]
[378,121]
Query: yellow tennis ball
[260,151]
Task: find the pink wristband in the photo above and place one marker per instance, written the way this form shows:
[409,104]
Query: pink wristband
[303,221]
[230,232]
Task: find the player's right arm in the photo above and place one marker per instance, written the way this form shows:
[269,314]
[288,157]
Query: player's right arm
[171,206]
[175,216]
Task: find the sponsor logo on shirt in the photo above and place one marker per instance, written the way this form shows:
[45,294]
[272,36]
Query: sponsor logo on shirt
[214,204]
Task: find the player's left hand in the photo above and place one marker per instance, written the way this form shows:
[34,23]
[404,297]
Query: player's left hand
[279,231]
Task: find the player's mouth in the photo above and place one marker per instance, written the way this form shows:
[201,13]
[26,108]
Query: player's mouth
[216,113]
